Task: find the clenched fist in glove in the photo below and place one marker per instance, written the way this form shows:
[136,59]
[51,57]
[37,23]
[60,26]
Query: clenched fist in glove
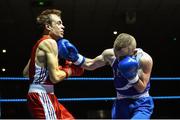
[129,69]
[73,69]
[68,51]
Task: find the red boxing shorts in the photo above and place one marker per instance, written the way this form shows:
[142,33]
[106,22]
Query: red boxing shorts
[47,106]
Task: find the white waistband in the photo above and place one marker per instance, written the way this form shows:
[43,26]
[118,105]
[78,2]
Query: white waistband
[120,96]
[38,88]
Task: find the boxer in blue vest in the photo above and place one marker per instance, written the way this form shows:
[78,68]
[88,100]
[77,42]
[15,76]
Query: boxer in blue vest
[131,71]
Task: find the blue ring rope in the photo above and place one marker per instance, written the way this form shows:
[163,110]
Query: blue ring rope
[87,99]
[88,78]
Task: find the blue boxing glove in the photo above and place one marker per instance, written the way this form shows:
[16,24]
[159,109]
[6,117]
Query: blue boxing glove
[62,50]
[68,51]
[128,68]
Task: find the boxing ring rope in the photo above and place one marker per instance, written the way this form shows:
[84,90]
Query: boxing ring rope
[89,78]
[88,99]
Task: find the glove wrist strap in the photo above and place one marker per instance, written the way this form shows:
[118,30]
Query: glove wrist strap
[80,60]
[134,80]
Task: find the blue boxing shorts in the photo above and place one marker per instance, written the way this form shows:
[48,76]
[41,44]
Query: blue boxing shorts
[139,108]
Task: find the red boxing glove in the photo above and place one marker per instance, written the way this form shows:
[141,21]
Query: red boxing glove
[76,70]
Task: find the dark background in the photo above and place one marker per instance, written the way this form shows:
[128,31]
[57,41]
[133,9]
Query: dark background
[89,26]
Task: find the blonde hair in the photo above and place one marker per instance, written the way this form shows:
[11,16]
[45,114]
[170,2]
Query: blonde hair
[124,40]
[44,17]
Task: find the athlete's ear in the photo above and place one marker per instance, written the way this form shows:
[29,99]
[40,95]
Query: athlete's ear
[48,27]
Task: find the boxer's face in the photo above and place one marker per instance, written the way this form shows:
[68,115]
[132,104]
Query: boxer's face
[126,51]
[56,27]
[120,54]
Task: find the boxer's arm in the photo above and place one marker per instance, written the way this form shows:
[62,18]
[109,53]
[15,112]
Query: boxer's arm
[50,47]
[101,60]
[68,51]
[26,70]
[144,75]
[92,64]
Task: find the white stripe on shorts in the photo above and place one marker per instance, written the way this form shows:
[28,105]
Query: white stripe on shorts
[48,107]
